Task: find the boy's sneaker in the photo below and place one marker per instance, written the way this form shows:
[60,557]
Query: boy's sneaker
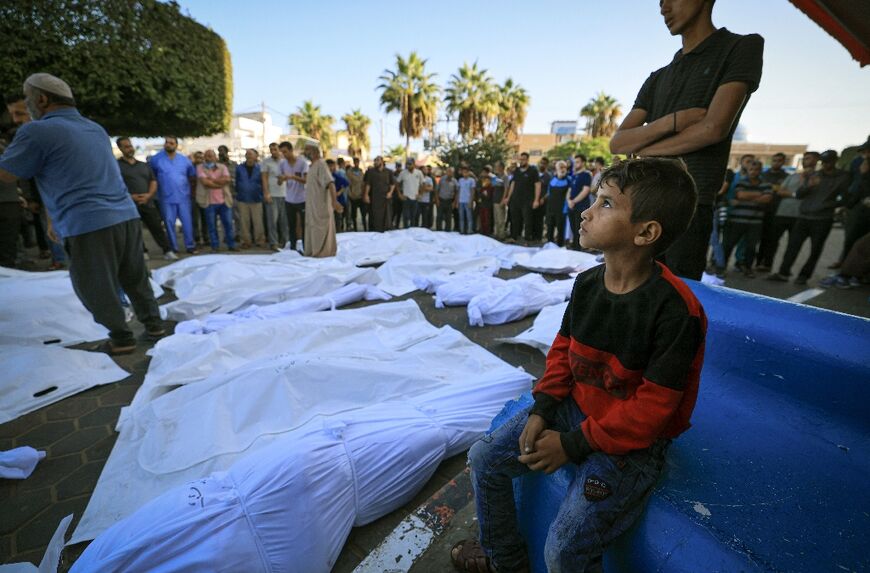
[170,256]
[762,268]
[834,281]
[800,281]
[777,277]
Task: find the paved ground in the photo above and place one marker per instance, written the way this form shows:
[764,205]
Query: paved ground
[78,434]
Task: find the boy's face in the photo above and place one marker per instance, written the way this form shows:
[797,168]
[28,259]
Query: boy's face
[607,223]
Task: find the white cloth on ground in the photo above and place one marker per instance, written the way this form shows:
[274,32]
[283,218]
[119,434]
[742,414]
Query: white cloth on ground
[231,282]
[19,463]
[457,289]
[338,298]
[542,333]
[552,259]
[36,376]
[397,275]
[290,506]
[252,384]
[51,557]
[712,280]
[516,299]
[375,248]
[38,308]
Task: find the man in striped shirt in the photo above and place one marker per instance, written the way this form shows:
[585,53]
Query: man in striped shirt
[752,198]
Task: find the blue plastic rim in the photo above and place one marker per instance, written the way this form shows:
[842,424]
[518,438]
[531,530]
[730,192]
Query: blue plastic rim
[773,475]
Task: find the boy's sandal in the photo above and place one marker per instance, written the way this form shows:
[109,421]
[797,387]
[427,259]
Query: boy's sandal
[468,557]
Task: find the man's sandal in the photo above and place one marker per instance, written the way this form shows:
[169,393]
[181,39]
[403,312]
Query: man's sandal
[468,557]
[113,350]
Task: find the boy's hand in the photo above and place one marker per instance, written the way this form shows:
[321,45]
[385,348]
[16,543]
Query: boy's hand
[534,426]
[548,455]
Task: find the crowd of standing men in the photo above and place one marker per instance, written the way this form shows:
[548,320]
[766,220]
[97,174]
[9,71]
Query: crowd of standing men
[756,206]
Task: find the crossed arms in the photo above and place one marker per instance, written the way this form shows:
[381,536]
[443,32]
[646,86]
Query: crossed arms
[683,131]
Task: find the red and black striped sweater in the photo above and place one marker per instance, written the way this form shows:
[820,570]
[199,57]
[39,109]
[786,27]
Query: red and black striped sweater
[632,362]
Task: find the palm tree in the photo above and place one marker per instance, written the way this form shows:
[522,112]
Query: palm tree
[513,104]
[357,125]
[412,92]
[397,152]
[473,97]
[309,121]
[601,113]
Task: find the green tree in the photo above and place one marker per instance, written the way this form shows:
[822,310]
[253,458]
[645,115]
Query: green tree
[513,104]
[397,152]
[310,121]
[591,147]
[357,125]
[476,153]
[602,114]
[137,67]
[474,98]
[412,92]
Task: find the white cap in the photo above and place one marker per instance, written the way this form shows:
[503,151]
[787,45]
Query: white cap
[49,84]
[305,141]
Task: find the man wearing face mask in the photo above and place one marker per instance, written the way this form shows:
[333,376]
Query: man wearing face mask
[87,201]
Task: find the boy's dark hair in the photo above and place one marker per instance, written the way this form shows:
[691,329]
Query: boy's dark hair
[330,162]
[285,145]
[779,154]
[13,97]
[600,160]
[660,190]
[580,156]
[524,154]
[120,139]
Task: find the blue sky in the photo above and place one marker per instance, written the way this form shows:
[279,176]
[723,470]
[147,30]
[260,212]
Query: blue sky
[562,51]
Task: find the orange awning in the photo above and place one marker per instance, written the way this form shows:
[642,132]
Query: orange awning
[848,21]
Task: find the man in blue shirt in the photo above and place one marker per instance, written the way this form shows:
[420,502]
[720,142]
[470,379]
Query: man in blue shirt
[249,198]
[341,184]
[578,199]
[87,202]
[176,176]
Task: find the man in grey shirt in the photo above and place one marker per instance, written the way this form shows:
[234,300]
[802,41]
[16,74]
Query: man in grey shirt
[821,194]
[447,190]
[274,191]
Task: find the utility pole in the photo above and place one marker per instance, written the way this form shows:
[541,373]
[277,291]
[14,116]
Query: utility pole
[381,123]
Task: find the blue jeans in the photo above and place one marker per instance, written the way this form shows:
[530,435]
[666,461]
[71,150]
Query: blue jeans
[466,219]
[410,213]
[716,244]
[606,496]
[173,211]
[212,212]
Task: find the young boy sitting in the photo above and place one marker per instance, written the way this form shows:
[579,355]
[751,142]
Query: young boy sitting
[620,382]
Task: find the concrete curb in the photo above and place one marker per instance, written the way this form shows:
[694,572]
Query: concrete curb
[417,532]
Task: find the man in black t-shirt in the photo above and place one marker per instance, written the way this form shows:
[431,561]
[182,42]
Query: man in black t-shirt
[378,189]
[523,195]
[690,109]
[142,185]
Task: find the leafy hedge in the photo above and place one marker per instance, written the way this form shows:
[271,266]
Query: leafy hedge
[138,67]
